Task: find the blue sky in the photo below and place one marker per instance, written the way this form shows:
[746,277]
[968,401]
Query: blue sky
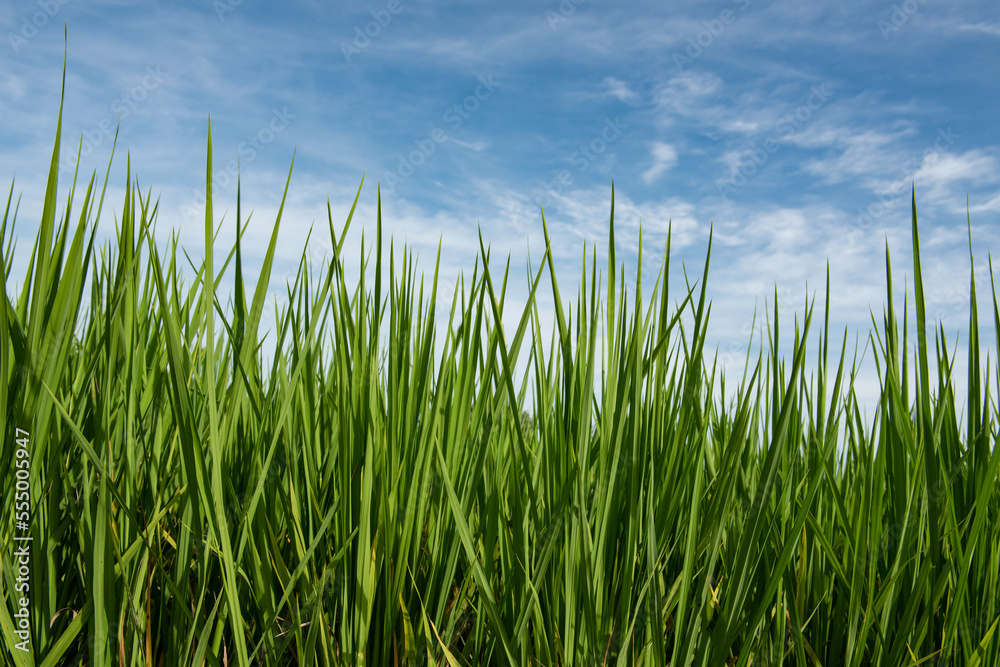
[796,129]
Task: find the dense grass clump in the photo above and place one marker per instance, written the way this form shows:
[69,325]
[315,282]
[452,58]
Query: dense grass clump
[368,501]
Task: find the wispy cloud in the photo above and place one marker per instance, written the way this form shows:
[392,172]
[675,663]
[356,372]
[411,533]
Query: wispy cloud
[989,206]
[984,28]
[686,94]
[477,146]
[854,155]
[619,90]
[664,158]
[943,176]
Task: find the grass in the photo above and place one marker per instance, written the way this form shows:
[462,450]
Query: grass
[365,500]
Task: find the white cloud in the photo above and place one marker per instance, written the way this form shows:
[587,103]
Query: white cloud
[947,176]
[982,27]
[742,125]
[475,145]
[12,86]
[946,168]
[584,213]
[871,154]
[619,89]
[990,206]
[664,158]
[684,94]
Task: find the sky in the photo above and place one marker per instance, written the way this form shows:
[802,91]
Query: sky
[793,132]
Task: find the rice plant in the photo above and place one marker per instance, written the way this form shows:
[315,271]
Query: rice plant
[367,500]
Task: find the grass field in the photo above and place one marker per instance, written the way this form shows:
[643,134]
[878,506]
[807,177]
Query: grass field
[366,500]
